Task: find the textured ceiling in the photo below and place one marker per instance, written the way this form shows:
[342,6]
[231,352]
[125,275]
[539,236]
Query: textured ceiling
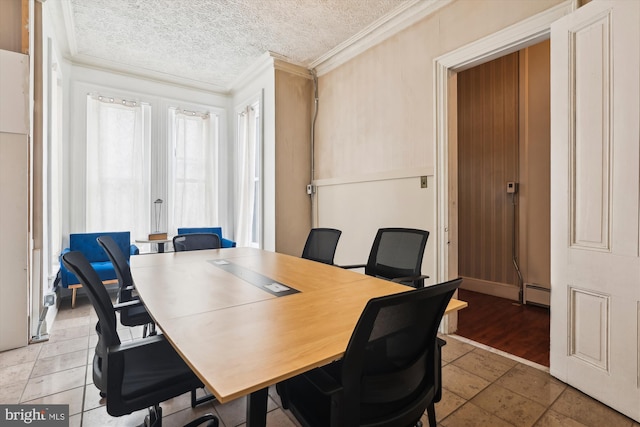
[213,41]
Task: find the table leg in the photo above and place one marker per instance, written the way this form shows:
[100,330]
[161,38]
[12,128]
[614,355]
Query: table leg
[160,247]
[257,408]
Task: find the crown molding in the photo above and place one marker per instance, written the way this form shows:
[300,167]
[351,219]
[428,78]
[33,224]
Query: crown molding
[292,68]
[145,74]
[262,64]
[380,30]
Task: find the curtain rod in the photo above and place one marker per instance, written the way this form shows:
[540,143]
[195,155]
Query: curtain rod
[201,114]
[112,100]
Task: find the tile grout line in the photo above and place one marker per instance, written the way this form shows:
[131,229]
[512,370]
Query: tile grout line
[500,353]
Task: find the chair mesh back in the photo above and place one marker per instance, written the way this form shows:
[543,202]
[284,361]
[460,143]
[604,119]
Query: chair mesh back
[107,334]
[390,356]
[196,241]
[397,252]
[321,245]
[120,264]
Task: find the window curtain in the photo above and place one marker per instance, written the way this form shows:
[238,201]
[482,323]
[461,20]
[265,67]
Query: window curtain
[117,192]
[247,223]
[193,200]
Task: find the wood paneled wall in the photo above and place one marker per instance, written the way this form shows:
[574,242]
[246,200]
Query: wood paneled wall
[534,232]
[487,160]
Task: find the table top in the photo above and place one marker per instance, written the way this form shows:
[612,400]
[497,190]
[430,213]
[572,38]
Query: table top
[237,337]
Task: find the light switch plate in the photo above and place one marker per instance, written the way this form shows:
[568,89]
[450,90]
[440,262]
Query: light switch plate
[423,182]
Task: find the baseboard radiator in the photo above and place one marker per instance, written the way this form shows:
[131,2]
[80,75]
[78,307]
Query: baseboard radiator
[537,295]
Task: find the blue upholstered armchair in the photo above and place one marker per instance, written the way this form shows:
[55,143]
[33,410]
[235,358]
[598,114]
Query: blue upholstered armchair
[226,243]
[88,245]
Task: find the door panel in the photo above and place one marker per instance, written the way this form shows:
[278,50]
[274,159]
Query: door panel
[595,175]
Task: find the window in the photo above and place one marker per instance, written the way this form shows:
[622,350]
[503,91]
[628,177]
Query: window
[193,198]
[130,166]
[249,226]
[118,140]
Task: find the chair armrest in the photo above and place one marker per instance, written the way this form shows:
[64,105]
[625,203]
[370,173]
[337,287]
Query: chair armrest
[127,304]
[151,340]
[409,278]
[126,294]
[324,382]
[349,267]
[134,250]
[66,277]
[226,243]
[64,251]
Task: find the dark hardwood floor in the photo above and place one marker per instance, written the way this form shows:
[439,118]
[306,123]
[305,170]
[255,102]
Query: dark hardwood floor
[521,330]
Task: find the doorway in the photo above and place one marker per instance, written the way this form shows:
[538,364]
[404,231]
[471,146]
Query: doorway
[503,136]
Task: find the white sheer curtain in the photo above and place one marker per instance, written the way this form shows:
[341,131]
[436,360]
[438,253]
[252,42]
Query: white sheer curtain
[193,198]
[248,195]
[117,192]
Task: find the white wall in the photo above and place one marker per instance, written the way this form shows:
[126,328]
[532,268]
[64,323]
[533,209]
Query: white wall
[376,118]
[359,208]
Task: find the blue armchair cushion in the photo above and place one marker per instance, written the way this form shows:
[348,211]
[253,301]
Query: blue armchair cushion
[87,244]
[226,243]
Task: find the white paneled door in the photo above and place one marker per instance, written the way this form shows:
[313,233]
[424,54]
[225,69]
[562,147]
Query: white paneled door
[595,175]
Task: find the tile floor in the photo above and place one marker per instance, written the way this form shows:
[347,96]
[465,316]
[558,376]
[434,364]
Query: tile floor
[481,387]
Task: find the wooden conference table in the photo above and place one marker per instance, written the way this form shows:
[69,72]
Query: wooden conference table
[240,333]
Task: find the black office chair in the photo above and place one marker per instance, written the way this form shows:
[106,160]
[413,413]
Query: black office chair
[137,374]
[136,315]
[396,254]
[321,244]
[390,372]
[196,241]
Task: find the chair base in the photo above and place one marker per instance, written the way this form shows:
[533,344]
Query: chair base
[74,288]
[154,419]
